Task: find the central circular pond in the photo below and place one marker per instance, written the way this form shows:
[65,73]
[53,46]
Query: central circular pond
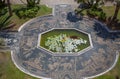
[69,40]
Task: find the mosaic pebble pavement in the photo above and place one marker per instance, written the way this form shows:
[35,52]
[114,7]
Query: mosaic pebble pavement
[40,63]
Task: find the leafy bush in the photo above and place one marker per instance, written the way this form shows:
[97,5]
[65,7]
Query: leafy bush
[3,11]
[91,13]
[27,12]
[32,3]
[102,16]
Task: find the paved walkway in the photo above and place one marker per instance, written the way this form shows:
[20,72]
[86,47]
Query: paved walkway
[49,3]
[40,63]
[52,3]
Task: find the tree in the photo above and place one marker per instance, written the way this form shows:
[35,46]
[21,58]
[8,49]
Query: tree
[116,10]
[91,3]
[9,7]
[113,21]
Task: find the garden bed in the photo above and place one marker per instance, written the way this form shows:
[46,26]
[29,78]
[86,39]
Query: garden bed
[64,40]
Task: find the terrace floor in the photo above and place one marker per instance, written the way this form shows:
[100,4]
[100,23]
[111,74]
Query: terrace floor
[40,63]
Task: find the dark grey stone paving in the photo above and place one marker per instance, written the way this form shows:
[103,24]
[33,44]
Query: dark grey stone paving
[41,63]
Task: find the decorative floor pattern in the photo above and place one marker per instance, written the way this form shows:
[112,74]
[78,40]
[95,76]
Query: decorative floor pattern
[40,63]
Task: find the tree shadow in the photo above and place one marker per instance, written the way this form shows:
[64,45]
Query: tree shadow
[104,33]
[73,17]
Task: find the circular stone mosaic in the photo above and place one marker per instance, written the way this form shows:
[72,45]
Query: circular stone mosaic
[97,55]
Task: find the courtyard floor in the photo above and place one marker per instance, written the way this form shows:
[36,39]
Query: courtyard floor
[40,63]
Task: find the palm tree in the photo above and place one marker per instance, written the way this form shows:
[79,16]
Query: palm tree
[116,10]
[91,3]
[113,22]
[9,7]
[4,22]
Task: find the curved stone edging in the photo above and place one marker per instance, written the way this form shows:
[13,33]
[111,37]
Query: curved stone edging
[117,56]
[23,70]
[22,26]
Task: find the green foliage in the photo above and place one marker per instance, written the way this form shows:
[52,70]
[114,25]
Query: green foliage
[105,77]
[79,11]
[102,16]
[27,12]
[30,11]
[92,7]
[2,4]
[96,12]
[4,21]
[3,10]
[91,3]
[32,3]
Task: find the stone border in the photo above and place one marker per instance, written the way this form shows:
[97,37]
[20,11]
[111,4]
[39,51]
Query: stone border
[22,26]
[66,54]
[27,72]
[52,14]
[24,70]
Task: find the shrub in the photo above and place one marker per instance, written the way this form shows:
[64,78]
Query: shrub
[91,13]
[102,16]
[27,12]
[3,11]
[32,3]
